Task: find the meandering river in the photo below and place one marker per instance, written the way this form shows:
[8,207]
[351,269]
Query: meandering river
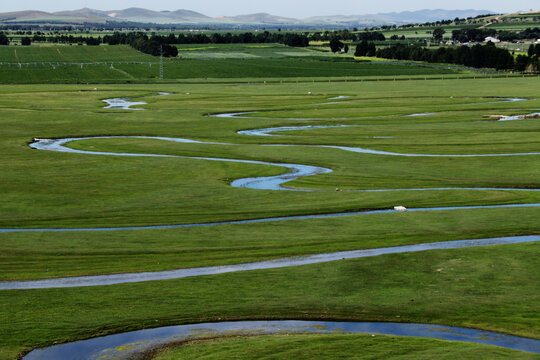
[124,345]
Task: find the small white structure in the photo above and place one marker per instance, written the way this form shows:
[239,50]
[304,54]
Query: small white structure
[400,208]
[492,39]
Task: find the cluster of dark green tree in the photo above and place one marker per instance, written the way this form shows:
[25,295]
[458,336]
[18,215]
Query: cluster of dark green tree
[39,37]
[478,56]
[3,39]
[371,36]
[346,35]
[534,50]
[395,37]
[68,39]
[529,62]
[289,39]
[478,35]
[529,33]
[336,46]
[155,46]
[365,48]
[438,34]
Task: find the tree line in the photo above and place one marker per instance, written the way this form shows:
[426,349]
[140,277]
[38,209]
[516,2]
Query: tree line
[3,39]
[478,35]
[290,39]
[346,35]
[529,62]
[478,56]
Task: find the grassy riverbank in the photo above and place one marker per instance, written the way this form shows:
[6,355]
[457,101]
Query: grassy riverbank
[47,189]
[493,288]
[335,347]
[44,255]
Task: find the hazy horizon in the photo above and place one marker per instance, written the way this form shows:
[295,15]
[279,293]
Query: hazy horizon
[286,8]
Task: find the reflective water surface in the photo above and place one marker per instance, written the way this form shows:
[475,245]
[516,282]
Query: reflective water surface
[122,346]
[122,103]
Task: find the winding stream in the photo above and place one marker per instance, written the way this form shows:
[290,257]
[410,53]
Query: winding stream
[278,218]
[101,280]
[125,345]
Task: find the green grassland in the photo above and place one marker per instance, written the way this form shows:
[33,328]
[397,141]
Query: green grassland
[493,288]
[333,347]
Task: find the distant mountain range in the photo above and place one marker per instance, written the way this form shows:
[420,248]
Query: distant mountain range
[188,17]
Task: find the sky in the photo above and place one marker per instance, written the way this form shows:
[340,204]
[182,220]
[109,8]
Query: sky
[289,8]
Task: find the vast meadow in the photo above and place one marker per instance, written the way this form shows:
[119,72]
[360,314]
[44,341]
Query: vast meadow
[491,288]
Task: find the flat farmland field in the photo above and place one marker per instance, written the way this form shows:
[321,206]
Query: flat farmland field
[207,175]
[257,62]
[66,53]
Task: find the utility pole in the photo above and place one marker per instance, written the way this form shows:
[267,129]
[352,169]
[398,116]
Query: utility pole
[161,62]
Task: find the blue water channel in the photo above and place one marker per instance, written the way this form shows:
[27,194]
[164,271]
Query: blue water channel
[101,280]
[125,345]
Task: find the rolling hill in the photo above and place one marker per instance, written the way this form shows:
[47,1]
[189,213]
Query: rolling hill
[188,17]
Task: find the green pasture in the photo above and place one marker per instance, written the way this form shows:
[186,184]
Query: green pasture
[289,346]
[31,256]
[493,288]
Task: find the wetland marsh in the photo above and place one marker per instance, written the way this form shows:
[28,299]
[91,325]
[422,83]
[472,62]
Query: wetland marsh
[490,197]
